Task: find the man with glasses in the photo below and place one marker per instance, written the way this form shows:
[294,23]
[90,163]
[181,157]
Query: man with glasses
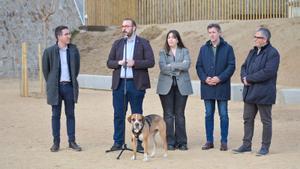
[60,68]
[130,57]
[259,75]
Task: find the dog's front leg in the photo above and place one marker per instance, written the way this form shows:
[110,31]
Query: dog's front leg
[145,145]
[133,144]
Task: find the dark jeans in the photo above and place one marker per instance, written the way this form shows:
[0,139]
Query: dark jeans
[173,105]
[66,95]
[250,111]
[209,119]
[134,97]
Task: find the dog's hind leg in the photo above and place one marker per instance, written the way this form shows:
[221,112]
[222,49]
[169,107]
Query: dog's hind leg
[154,145]
[163,137]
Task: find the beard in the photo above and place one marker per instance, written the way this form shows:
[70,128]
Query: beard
[128,34]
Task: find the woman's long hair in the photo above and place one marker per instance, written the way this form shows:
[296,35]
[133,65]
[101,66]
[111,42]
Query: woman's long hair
[177,36]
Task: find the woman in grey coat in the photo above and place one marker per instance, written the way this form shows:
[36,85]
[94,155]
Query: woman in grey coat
[174,86]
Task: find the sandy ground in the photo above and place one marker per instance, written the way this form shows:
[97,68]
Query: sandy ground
[25,132]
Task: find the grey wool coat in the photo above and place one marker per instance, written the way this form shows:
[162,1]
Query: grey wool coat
[51,71]
[178,68]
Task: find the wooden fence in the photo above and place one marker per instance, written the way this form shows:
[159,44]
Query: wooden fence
[111,12]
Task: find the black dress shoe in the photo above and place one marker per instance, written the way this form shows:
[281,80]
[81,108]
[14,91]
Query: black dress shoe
[242,149]
[223,147]
[74,146]
[207,146]
[116,147]
[139,147]
[171,147]
[54,148]
[263,151]
[182,147]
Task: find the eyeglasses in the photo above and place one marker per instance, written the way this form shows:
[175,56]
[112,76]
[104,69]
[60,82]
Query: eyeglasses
[125,26]
[259,37]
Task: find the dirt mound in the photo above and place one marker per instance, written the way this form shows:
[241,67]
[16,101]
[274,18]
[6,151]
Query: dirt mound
[95,46]
[151,32]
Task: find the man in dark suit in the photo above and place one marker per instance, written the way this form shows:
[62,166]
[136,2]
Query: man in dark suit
[130,57]
[61,63]
[259,75]
[215,66]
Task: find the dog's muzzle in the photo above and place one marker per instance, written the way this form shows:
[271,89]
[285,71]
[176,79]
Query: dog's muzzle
[137,126]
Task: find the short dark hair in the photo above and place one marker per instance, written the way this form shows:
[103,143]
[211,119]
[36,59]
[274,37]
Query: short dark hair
[130,19]
[214,25]
[177,36]
[58,30]
[265,33]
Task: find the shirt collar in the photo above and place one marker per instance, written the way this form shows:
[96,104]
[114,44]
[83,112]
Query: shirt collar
[262,48]
[211,44]
[64,49]
[132,38]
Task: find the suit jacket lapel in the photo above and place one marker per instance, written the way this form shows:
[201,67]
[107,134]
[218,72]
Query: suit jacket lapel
[69,61]
[135,46]
[178,54]
[57,59]
[121,49]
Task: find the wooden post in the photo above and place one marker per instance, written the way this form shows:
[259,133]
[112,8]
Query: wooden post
[224,13]
[284,8]
[24,83]
[239,10]
[40,69]
[266,12]
[243,10]
[256,9]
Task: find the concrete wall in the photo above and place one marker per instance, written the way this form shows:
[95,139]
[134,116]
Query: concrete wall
[21,21]
[284,96]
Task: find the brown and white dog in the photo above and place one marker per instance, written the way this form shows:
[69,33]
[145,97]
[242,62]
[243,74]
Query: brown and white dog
[144,128]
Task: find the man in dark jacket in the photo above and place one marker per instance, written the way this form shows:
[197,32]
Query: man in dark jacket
[215,66]
[130,57]
[259,74]
[61,63]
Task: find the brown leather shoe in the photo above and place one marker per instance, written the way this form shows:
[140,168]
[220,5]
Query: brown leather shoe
[207,146]
[223,147]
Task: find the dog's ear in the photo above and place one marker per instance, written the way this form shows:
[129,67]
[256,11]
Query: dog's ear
[129,118]
[143,118]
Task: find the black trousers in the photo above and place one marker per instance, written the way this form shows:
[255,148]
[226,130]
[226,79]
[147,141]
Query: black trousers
[173,105]
[250,111]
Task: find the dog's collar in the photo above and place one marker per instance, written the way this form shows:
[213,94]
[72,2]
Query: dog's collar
[137,134]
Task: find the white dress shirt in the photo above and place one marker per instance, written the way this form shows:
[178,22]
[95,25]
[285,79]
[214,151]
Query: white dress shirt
[129,56]
[64,68]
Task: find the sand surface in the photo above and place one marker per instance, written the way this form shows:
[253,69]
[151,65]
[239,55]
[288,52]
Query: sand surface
[25,132]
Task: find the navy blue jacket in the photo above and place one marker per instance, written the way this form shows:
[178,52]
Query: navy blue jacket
[223,67]
[261,72]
